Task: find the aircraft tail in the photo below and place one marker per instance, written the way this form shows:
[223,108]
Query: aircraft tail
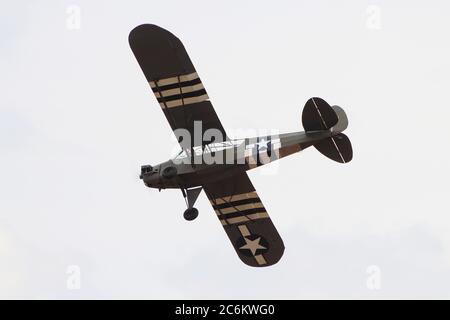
[318,115]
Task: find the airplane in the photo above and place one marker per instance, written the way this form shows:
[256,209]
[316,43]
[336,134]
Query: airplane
[210,160]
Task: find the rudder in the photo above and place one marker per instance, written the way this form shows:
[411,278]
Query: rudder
[318,115]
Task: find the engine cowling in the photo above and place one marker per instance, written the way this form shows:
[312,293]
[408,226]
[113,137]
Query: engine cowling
[169,172]
[146,169]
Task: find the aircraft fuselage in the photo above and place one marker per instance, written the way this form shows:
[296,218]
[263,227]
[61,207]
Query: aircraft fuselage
[218,161]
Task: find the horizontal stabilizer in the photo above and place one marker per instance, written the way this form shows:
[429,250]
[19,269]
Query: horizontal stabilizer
[337,148]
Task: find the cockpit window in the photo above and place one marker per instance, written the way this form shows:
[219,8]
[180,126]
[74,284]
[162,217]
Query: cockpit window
[212,147]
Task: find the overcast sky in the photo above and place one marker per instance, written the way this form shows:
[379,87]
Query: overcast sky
[77,119]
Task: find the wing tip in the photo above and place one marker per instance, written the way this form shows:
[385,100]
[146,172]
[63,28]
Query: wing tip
[147,30]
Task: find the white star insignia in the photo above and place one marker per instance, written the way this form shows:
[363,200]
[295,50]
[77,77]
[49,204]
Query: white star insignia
[252,245]
[262,144]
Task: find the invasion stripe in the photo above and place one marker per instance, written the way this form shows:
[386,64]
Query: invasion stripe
[182,96]
[236,203]
[171,80]
[239,208]
[179,90]
[241,213]
[184,101]
[254,216]
[176,85]
[235,197]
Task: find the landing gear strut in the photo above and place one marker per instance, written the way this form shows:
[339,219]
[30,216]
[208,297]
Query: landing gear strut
[190,196]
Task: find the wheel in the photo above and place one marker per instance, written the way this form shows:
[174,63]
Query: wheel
[190,214]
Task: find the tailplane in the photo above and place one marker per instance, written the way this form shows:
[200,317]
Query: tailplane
[318,115]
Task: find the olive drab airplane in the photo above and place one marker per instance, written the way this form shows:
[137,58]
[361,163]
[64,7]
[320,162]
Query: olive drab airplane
[210,160]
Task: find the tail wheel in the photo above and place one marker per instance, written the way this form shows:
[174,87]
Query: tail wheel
[190,214]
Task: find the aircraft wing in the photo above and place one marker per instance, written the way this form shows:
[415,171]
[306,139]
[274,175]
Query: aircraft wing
[245,220]
[174,81]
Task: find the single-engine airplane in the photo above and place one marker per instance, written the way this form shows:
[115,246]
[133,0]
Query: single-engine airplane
[213,162]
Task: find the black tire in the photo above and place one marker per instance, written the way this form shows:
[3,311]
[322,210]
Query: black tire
[169,172]
[190,214]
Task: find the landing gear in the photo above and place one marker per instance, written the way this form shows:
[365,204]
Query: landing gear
[190,214]
[190,196]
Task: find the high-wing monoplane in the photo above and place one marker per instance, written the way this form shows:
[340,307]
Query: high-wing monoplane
[210,160]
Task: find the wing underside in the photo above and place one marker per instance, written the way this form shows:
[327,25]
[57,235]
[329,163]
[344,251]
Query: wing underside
[174,80]
[184,100]
[245,220]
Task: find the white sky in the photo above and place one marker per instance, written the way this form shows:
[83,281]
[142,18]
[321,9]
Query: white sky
[77,119]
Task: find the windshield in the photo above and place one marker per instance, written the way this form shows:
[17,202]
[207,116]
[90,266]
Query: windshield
[213,147]
[182,154]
